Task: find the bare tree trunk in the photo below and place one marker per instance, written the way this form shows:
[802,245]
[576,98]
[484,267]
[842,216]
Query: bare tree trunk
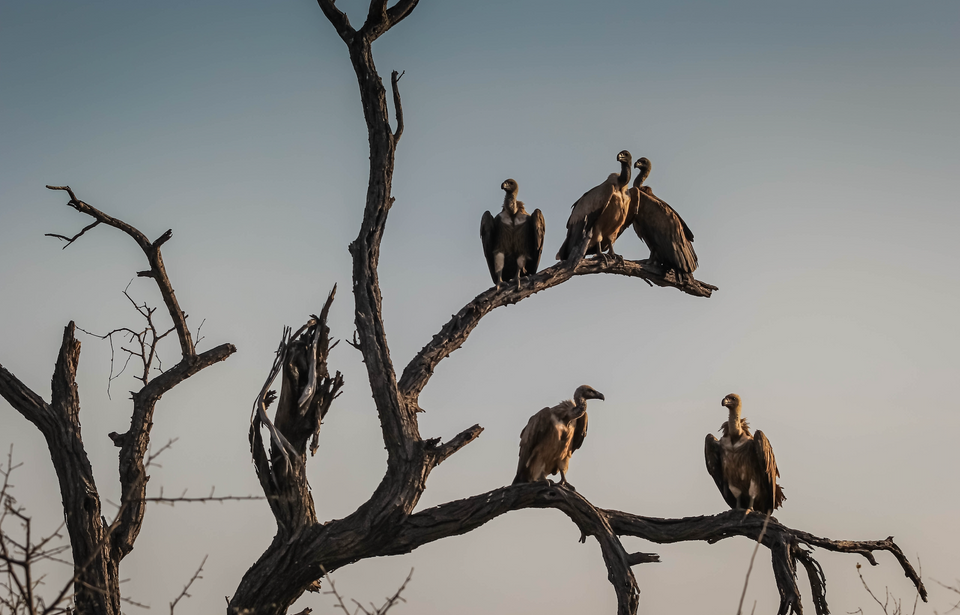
[303,550]
[98,547]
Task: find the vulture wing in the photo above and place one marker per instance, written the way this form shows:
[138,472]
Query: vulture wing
[535,228]
[579,432]
[585,212]
[713,454]
[686,229]
[664,232]
[766,468]
[538,427]
[490,238]
[594,199]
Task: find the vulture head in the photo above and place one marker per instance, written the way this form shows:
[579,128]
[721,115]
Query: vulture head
[731,401]
[510,187]
[624,156]
[643,165]
[586,391]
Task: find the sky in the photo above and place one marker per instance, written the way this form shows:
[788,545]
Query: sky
[811,147]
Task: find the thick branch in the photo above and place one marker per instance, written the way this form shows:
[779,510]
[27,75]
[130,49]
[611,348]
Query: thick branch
[455,332]
[23,399]
[339,20]
[441,452]
[787,546]
[307,392]
[397,106]
[380,18]
[401,435]
[136,440]
[59,422]
[463,516]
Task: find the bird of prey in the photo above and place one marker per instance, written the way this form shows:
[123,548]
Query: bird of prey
[660,227]
[513,240]
[552,435]
[599,214]
[742,465]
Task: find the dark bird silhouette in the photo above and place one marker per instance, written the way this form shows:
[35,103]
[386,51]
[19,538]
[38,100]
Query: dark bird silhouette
[742,465]
[600,213]
[552,435]
[513,240]
[660,227]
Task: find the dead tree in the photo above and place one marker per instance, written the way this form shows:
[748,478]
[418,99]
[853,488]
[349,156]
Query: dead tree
[98,546]
[303,549]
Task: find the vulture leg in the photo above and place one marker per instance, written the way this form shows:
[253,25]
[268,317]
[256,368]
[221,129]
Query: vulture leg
[616,257]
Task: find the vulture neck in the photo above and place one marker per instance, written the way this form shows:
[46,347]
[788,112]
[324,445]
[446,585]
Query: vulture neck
[580,403]
[624,177]
[510,203]
[733,424]
[641,177]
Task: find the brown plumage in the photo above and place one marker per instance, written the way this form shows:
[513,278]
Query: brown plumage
[513,240]
[742,465]
[660,227]
[552,435]
[599,213]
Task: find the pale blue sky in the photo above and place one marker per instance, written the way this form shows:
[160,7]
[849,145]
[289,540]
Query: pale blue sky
[811,147]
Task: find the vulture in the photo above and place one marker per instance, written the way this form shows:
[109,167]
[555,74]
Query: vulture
[742,465]
[601,213]
[513,240]
[660,227]
[552,435]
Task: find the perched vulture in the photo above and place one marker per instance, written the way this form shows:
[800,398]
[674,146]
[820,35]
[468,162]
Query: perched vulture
[660,227]
[551,436]
[512,241]
[743,465]
[601,213]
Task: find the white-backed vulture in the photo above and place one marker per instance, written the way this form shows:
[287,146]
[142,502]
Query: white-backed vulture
[743,465]
[660,227]
[552,435]
[600,213]
[513,240]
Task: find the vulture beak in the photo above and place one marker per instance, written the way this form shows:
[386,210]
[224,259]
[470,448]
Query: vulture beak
[599,396]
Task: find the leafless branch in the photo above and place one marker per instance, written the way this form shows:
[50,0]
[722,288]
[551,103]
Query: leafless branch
[184,594]
[389,603]
[70,240]
[397,106]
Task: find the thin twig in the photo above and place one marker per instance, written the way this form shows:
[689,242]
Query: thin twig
[184,594]
[753,557]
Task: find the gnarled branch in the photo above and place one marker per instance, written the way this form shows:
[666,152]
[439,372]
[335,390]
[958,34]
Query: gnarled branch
[97,550]
[458,328]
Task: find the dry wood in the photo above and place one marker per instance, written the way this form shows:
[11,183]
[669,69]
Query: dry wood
[304,550]
[98,549]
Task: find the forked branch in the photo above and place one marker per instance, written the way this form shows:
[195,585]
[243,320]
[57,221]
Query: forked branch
[152,251]
[97,548]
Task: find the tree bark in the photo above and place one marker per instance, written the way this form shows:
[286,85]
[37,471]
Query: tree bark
[98,548]
[303,550]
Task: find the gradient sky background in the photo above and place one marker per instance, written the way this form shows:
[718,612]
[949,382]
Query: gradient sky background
[813,149]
